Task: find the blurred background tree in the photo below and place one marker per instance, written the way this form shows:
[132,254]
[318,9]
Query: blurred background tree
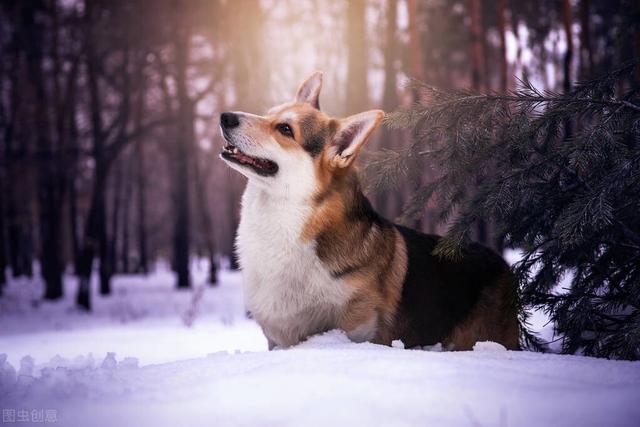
[108,110]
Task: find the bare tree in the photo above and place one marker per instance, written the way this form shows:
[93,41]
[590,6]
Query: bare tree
[108,139]
[3,249]
[116,205]
[126,203]
[18,198]
[586,50]
[478,56]
[140,180]
[183,148]
[50,193]
[200,178]
[568,55]
[416,67]
[502,29]
[356,84]
[389,202]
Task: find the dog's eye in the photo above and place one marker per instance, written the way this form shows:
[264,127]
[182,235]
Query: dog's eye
[285,129]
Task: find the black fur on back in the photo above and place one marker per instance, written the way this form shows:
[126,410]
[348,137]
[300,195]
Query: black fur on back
[438,294]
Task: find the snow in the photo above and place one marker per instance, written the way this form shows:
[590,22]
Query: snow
[143,319]
[488,346]
[135,362]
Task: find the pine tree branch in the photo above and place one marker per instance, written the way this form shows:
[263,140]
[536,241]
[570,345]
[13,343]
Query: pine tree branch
[559,176]
[539,99]
[630,105]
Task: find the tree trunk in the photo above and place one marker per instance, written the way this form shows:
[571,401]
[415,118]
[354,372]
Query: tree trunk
[205,217]
[124,251]
[4,119]
[95,229]
[3,247]
[389,98]
[18,210]
[478,67]
[19,237]
[73,220]
[20,245]
[50,203]
[141,218]
[183,148]
[95,235]
[478,79]
[357,90]
[568,56]
[51,236]
[586,51]
[140,182]
[106,267]
[389,201]
[72,168]
[416,64]
[502,23]
[65,102]
[115,216]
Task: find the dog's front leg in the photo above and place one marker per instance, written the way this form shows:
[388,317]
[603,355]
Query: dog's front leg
[359,320]
[271,343]
[270,334]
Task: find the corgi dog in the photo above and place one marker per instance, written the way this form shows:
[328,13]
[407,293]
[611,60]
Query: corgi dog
[315,256]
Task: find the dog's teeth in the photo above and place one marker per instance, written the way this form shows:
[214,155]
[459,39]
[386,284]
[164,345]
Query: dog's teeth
[235,150]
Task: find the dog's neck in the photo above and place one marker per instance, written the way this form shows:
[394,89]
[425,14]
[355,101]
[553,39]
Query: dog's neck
[331,214]
[345,227]
[340,204]
[277,197]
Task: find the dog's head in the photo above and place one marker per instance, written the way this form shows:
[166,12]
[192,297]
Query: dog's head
[295,149]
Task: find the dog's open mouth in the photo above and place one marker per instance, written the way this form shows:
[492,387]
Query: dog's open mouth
[262,167]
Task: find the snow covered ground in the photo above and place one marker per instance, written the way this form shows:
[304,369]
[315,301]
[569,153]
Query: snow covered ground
[58,367]
[144,318]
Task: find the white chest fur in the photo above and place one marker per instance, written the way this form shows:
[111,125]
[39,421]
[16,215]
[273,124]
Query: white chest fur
[287,289]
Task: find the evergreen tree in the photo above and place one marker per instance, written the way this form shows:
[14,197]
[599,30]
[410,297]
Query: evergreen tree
[560,176]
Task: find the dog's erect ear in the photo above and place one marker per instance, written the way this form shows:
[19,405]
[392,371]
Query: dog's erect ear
[351,135]
[309,91]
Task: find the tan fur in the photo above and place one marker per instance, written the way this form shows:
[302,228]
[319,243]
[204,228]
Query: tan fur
[276,115]
[381,257]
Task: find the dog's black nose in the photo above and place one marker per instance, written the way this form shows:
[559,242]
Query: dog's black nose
[229,120]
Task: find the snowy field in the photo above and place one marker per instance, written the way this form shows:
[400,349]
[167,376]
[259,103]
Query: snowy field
[136,361]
